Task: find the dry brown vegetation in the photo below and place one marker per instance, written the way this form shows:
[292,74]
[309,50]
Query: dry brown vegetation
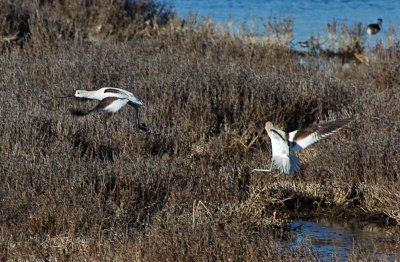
[97,188]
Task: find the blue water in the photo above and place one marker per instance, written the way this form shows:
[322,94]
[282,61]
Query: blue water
[310,17]
[338,239]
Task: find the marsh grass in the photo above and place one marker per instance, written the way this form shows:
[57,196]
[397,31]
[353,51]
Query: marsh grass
[97,188]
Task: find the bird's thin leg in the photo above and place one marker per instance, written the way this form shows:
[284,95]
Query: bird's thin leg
[140,125]
[137,117]
[264,170]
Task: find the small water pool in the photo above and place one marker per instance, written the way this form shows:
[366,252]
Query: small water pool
[328,238]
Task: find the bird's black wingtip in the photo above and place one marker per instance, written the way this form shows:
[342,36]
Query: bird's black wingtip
[77,112]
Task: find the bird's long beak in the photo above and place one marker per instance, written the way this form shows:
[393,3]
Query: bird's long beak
[67,96]
[260,128]
[261,132]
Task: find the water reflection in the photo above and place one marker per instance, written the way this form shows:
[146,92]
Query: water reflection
[329,238]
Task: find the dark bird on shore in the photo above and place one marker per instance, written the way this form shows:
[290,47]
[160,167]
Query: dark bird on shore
[373,29]
[304,44]
[111,100]
[283,142]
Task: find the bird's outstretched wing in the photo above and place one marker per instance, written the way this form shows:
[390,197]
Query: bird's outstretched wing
[280,150]
[108,104]
[134,100]
[302,138]
[111,104]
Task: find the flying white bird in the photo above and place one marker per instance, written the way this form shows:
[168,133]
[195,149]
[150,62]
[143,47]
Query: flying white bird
[111,100]
[283,142]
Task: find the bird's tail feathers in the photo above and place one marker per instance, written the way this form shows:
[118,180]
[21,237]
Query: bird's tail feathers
[282,163]
[294,163]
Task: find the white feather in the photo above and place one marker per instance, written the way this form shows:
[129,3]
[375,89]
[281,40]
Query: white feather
[116,105]
[301,144]
[305,142]
[128,95]
[280,151]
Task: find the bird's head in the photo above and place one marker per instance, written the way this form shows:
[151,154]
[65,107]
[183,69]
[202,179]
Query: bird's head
[268,126]
[380,21]
[79,93]
[82,94]
[263,126]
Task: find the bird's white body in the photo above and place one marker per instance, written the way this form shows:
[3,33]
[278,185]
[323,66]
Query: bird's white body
[106,92]
[281,157]
[282,143]
[111,100]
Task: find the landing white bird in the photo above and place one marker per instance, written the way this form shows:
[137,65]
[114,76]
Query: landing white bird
[283,142]
[111,100]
